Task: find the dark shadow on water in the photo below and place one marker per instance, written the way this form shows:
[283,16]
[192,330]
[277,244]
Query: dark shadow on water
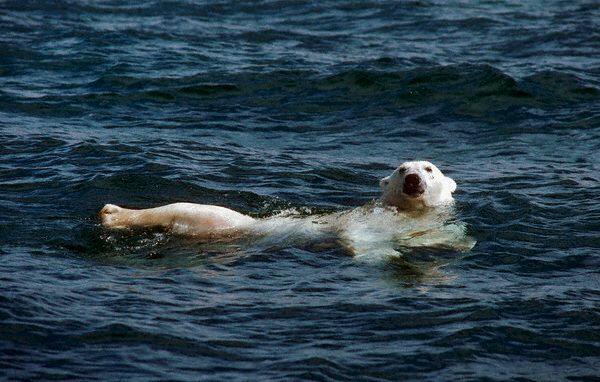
[421,267]
[153,249]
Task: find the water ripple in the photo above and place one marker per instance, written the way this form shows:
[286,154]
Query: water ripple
[284,107]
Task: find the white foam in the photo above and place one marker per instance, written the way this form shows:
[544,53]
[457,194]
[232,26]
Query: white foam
[372,233]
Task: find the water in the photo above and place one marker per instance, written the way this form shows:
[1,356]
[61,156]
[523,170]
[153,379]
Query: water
[277,106]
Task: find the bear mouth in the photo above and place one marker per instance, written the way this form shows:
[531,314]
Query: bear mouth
[413,193]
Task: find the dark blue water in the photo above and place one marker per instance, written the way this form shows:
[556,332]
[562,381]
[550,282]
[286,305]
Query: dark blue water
[276,105]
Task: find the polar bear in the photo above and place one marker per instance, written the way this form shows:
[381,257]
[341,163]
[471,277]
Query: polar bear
[412,186]
[411,190]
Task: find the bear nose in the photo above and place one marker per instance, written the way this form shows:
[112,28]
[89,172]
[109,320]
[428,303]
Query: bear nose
[412,185]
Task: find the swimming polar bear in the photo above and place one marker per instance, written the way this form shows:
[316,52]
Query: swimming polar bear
[412,211]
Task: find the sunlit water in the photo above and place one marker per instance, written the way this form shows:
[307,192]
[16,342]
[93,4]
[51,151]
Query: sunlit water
[294,111]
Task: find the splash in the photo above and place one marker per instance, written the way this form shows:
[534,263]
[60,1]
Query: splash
[372,234]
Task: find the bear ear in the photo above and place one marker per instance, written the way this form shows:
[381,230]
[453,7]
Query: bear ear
[450,184]
[384,182]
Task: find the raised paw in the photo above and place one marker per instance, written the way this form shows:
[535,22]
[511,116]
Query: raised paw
[112,216]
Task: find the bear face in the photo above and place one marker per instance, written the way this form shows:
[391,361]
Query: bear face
[416,185]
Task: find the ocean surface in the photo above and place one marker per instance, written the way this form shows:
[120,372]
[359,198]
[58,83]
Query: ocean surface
[274,106]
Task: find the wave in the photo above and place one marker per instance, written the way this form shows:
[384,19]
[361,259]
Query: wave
[471,91]
[466,82]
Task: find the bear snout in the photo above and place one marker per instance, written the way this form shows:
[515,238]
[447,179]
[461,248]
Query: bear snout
[412,185]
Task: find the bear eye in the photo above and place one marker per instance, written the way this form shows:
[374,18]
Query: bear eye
[401,169]
[428,169]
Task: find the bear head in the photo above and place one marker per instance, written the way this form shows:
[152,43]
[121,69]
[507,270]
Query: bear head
[416,185]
